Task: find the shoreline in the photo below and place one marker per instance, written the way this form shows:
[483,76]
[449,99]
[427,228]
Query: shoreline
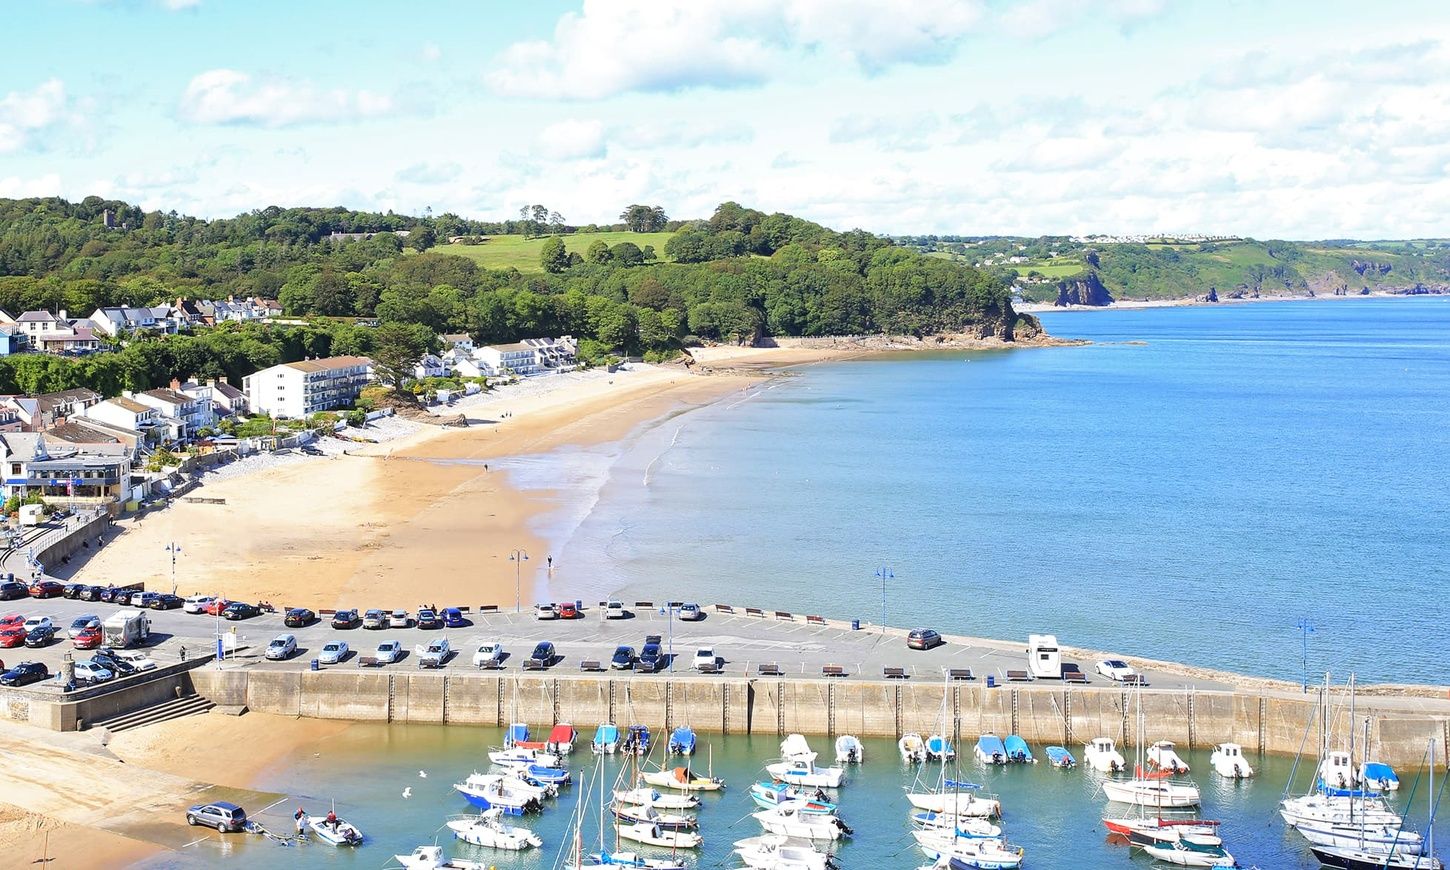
[1198,302]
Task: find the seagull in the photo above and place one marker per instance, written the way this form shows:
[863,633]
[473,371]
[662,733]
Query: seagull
[422,774]
[408,792]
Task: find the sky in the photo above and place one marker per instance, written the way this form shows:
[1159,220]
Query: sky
[1300,120]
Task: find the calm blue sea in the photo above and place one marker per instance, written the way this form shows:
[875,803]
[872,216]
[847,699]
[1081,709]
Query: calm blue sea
[1189,486]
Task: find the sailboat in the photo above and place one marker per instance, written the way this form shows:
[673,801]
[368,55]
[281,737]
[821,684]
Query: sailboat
[604,857]
[1332,802]
[488,829]
[779,852]
[1150,788]
[1374,856]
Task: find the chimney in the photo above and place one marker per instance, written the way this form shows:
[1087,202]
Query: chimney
[211,382]
[175,385]
[61,315]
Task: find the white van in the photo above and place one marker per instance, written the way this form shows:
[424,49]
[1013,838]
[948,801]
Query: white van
[1044,659]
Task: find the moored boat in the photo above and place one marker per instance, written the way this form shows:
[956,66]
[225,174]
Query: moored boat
[1058,756]
[779,852]
[606,739]
[1379,776]
[628,861]
[634,814]
[975,855]
[912,748]
[1185,855]
[1018,752]
[682,779]
[1152,790]
[810,826]
[849,750]
[938,748]
[1369,838]
[1228,761]
[561,739]
[518,757]
[508,793]
[488,829]
[966,827]
[646,796]
[1102,755]
[1163,755]
[431,858]
[768,795]
[637,740]
[682,741]
[957,799]
[518,735]
[991,750]
[801,771]
[654,835]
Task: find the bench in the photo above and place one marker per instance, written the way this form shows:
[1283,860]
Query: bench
[369,662]
[833,671]
[894,673]
[534,665]
[430,663]
[1076,677]
[591,666]
[1018,677]
[707,668]
[724,608]
[648,605]
[1135,680]
[492,665]
[781,614]
[488,608]
[815,620]
[769,670]
[755,611]
[960,674]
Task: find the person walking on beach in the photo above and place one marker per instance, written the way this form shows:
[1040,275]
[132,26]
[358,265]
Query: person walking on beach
[301,819]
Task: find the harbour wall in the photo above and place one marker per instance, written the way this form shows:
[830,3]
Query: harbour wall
[1070,716]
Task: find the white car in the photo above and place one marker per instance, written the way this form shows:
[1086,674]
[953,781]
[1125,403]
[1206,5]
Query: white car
[488,655]
[705,656]
[90,673]
[614,610]
[434,654]
[136,659]
[400,619]
[545,611]
[35,622]
[333,652]
[196,603]
[691,613]
[1116,670]
[389,651]
[281,648]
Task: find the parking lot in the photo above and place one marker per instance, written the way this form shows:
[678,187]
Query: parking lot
[742,643]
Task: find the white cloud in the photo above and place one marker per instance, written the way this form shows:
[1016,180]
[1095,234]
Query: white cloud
[15,187]
[1038,18]
[179,5]
[681,135]
[225,96]
[26,113]
[431,52]
[571,140]
[429,173]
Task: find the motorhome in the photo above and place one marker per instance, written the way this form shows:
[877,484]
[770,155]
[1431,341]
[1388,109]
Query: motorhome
[127,627]
[1044,659]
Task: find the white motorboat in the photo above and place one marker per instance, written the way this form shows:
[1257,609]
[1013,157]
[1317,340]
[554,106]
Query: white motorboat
[811,826]
[335,831]
[654,835]
[681,779]
[849,750]
[606,739]
[1379,776]
[1152,790]
[956,803]
[519,757]
[633,814]
[1102,755]
[509,793]
[626,861]
[1228,761]
[1185,855]
[802,771]
[1339,809]
[912,747]
[488,829]
[977,854]
[1163,756]
[1336,771]
[777,852]
[1370,838]
[965,826]
[649,797]
[431,858]
[938,748]
[937,842]
[796,746]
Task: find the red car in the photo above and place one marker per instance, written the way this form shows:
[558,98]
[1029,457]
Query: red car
[215,608]
[89,638]
[567,610]
[46,589]
[11,620]
[12,635]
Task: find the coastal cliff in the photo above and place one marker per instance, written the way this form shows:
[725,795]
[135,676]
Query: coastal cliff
[1084,289]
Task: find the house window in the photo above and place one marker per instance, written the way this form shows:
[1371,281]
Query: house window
[14,468]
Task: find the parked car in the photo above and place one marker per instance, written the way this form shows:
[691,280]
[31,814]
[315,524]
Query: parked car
[24,674]
[614,610]
[297,617]
[81,623]
[166,601]
[545,611]
[73,590]
[543,653]
[453,618]
[705,656]
[40,636]
[196,603]
[136,658]
[375,619]
[35,622]
[344,619]
[691,613]
[239,610]
[923,638]
[144,599]
[389,651]
[225,816]
[488,655]
[46,589]
[89,638]
[12,636]
[400,619]
[1117,670]
[215,606]
[90,673]
[623,658]
[92,593]
[108,658]
[11,619]
[333,652]
[435,654]
[428,619]
[9,591]
[282,647]
[651,658]
[109,593]
[569,610]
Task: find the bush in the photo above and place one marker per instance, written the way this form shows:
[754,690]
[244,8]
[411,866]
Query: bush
[357,418]
[660,356]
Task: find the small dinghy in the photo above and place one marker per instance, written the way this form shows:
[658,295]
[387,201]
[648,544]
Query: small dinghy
[637,740]
[912,748]
[606,739]
[991,749]
[431,858]
[682,741]
[1059,757]
[545,775]
[1378,776]
[641,797]
[1164,756]
[1185,855]
[777,852]
[628,861]
[1228,761]
[634,814]
[561,739]
[334,831]
[810,826]
[1018,752]
[965,827]
[654,835]
[682,779]
[488,829]
[849,750]
[938,748]
[516,757]
[768,795]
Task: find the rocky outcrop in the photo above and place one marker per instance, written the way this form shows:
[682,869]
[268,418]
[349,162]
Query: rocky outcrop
[1085,289]
[1373,268]
[1211,295]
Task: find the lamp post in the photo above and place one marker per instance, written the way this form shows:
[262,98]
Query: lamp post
[173,548]
[1305,629]
[518,557]
[885,574]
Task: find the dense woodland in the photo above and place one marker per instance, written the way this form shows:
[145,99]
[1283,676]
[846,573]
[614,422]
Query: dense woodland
[740,275]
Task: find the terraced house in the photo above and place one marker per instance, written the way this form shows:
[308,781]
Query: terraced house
[300,389]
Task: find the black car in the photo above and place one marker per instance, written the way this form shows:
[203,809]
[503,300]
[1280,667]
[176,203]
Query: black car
[92,593]
[651,658]
[222,815]
[167,601]
[429,619]
[10,591]
[923,638]
[543,654]
[73,590]
[344,619]
[105,659]
[109,593]
[623,658]
[239,610]
[40,636]
[297,617]
[24,674]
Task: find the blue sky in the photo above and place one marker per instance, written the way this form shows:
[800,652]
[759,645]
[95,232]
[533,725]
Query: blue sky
[1290,119]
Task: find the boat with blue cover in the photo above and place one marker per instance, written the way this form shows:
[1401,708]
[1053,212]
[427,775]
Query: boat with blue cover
[682,741]
[991,750]
[769,795]
[1378,775]
[938,748]
[606,739]
[1058,756]
[1018,752]
[637,740]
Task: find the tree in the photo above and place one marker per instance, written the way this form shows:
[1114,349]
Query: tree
[397,347]
[644,218]
[422,238]
[598,252]
[540,214]
[553,256]
[626,254]
[556,222]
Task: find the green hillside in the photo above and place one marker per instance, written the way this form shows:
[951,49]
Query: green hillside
[517,252]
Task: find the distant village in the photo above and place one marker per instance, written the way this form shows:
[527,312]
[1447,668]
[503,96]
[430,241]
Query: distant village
[77,447]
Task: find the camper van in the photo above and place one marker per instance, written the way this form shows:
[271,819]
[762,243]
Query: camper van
[127,627]
[1043,658]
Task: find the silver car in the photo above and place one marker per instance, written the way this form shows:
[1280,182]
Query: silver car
[282,647]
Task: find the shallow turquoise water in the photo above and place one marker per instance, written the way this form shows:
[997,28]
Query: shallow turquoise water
[1188,487]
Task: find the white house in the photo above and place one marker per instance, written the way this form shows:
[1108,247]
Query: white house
[226,400]
[112,321]
[66,341]
[61,471]
[519,358]
[468,367]
[300,389]
[127,413]
[34,323]
[184,414]
[459,341]
[430,366]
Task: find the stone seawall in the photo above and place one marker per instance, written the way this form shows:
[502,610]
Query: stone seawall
[1263,722]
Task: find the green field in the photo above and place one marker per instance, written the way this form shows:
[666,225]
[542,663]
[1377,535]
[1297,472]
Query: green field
[516,252]
[1059,268]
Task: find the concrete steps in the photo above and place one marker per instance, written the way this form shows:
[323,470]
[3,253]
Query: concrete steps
[186,705]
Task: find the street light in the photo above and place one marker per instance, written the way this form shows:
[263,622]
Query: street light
[173,548]
[885,574]
[518,557]
[1305,629]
